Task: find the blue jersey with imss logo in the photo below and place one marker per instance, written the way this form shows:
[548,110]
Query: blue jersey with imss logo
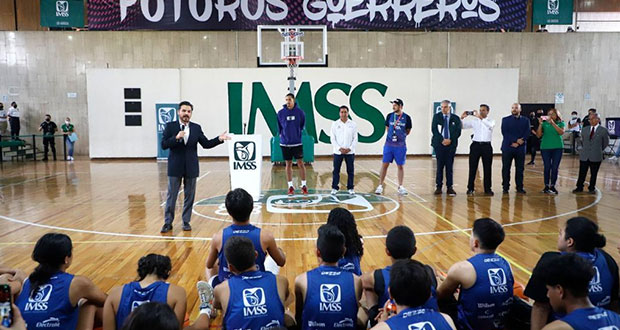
[254,302]
[485,305]
[602,282]
[431,303]
[351,263]
[135,295]
[418,319]
[593,318]
[250,231]
[50,307]
[330,299]
[397,129]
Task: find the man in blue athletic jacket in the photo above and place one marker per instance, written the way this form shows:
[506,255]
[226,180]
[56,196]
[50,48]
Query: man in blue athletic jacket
[291,122]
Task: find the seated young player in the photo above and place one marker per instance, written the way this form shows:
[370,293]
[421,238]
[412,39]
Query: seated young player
[400,244]
[344,220]
[250,299]
[568,278]
[152,315]
[410,289]
[485,281]
[50,296]
[239,204]
[580,235]
[153,271]
[327,296]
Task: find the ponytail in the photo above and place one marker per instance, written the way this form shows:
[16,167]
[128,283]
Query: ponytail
[584,233]
[50,252]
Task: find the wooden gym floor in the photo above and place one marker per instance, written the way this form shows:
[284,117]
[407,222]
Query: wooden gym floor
[113,211]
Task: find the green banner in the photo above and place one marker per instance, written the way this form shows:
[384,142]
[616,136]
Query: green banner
[62,13]
[548,12]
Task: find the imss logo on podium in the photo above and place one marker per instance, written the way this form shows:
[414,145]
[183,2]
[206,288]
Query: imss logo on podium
[245,155]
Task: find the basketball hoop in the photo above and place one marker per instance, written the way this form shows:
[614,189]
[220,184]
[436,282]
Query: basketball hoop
[292,52]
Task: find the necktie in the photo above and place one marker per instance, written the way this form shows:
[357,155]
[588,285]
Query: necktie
[446,128]
[184,136]
[591,133]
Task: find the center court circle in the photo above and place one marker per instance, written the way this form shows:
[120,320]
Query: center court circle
[599,195]
[363,205]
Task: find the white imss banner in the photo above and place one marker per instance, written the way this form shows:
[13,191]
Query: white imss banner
[245,159]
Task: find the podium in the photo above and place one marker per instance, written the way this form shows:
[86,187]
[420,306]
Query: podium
[245,158]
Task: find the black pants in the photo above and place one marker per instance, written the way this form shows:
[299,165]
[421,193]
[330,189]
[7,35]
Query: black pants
[15,126]
[479,150]
[337,165]
[518,154]
[583,170]
[445,159]
[533,144]
[49,141]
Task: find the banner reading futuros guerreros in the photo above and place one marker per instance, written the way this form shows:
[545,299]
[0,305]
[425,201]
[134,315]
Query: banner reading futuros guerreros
[336,14]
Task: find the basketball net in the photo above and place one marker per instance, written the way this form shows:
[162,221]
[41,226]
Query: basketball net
[293,54]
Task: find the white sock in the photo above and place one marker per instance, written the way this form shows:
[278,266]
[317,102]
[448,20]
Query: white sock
[290,184]
[303,183]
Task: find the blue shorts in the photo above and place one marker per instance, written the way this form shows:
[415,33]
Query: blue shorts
[397,154]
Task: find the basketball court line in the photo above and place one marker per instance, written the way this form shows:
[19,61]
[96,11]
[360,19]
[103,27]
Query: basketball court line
[396,185]
[181,238]
[180,191]
[31,180]
[172,240]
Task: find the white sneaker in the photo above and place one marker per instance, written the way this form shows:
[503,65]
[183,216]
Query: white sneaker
[334,191]
[402,191]
[379,190]
[351,192]
[205,294]
[612,158]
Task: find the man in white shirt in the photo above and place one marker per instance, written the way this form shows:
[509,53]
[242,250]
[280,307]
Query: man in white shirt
[344,139]
[480,146]
[3,120]
[13,114]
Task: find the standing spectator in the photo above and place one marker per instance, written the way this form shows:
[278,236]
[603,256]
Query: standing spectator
[397,126]
[3,120]
[344,140]
[48,127]
[586,119]
[68,131]
[446,128]
[550,132]
[595,139]
[574,127]
[13,114]
[480,146]
[515,130]
[533,142]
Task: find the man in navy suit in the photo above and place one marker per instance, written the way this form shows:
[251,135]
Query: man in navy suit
[182,138]
[515,130]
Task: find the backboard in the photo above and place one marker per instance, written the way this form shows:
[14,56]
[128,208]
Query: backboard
[276,42]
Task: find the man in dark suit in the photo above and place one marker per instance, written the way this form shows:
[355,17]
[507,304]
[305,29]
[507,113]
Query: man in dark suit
[446,128]
[515,130]
[182,138]
[595,139]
